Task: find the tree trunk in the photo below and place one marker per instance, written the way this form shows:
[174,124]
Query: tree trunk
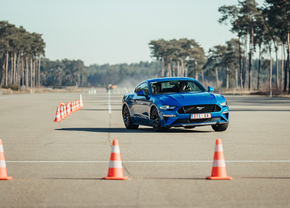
[245,62]
[22,69]
[31,73]
[217,77]
[3,70]
[202,76]
[277,70]
[178,70]
[286,67]
[259,68]
[6,73]
[162,69]
[26,73]
[250,56]
[227,77]
[288,61]
[270,81]
[18,69]
[12,69]
[196,72]
[182,74]
[240,63]
[39,71]
[282,65]
[237,82]
[34,74]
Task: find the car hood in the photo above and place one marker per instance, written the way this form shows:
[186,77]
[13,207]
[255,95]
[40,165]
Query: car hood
[182,99]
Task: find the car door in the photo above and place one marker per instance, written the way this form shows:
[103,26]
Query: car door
[142,103]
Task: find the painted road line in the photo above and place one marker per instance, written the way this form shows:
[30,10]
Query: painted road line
[185,161]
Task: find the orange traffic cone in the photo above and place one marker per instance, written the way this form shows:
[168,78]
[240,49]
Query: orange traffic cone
[61,113]
[3,169]
[219,171]
[68,109]
[64,109]
[57,115]
[115,167]
[73,107]
[77,105]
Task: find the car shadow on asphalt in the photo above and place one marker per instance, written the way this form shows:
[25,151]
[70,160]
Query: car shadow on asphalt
[124,130]
[177,178]
[75,178]
[129,178]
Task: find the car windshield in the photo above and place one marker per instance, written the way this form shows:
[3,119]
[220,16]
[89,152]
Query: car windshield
[176,86]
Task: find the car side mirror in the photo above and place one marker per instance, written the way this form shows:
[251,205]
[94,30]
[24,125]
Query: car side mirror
[141,93]
[210,89]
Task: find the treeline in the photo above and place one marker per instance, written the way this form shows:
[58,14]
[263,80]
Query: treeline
[261,30]
[63,73]
[20,55]
[177,56]
[123,75]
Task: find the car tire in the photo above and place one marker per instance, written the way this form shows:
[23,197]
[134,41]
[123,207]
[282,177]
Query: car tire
[127,119]
[220,127]
[155,121]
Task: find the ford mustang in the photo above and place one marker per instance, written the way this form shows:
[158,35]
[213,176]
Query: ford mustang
[174,102]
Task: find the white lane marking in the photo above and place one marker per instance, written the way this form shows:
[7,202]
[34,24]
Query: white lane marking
[185,161]
[109,102]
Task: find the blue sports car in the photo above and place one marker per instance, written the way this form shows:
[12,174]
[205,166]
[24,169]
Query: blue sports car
[174,102]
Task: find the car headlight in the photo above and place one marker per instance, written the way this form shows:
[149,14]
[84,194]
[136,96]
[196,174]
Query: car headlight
[224,103]
[167,107]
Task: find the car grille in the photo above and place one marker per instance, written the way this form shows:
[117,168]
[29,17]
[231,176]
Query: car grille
[199,109]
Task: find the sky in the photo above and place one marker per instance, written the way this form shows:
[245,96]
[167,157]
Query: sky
[117,31]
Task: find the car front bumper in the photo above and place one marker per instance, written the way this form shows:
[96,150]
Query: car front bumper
[170,118]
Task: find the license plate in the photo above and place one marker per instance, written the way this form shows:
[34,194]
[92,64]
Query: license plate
[200,116]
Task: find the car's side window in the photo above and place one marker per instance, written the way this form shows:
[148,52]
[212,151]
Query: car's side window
[142,86]
[138,88]
[145,88]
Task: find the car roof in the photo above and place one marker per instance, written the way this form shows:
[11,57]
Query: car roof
[168,79]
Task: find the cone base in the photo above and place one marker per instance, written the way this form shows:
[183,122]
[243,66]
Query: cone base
[7,178]
[219,178]
[57,121]
[116,178]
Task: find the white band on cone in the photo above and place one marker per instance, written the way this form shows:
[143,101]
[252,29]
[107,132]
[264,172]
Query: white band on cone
[219,163]
[115,149]
[115,164]
[2,164]
[1,148]
[218,148]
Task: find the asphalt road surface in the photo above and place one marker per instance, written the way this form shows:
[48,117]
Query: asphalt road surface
[62,164]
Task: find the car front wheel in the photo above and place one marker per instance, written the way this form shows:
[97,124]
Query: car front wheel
[220,127]
[127,119]
[155,121]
